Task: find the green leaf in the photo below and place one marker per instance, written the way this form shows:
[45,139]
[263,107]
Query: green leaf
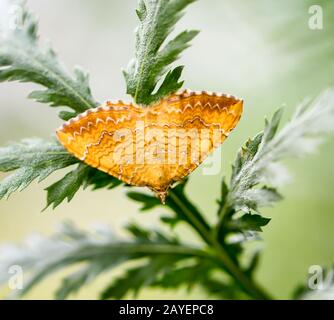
[170,84]
[152,59]
[75,281]
[138,277]
[200,274]
[140,234]
[23,59]
[95,252]
[82,176]
[148,202]
[258,162]
[99,180]
[170,221]
[246,154]
[256,198]
[32,159]
[251,222]
[66,115]
[187,276]
[67,187]
[272,126]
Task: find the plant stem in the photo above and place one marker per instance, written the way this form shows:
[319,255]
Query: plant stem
[232,268]
[222,217]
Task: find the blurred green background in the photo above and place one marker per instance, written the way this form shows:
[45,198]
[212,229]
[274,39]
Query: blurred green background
[261,50]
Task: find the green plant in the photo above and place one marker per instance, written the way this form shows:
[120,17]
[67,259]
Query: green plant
[160,259]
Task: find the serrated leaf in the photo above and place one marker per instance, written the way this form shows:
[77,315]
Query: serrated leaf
[32,159]
[246,154]
[272,126]
[152,60]
[67,187]
[95,251]
[257,160]
[82,176]
[197,274]
[170,84]
[252,222]
[140,234]
[66,115]
[185,275]
[23,59]
[99,180]
[171,221]
[254,199]
[148,202]
[36,159]
[75,281]
[138,277]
